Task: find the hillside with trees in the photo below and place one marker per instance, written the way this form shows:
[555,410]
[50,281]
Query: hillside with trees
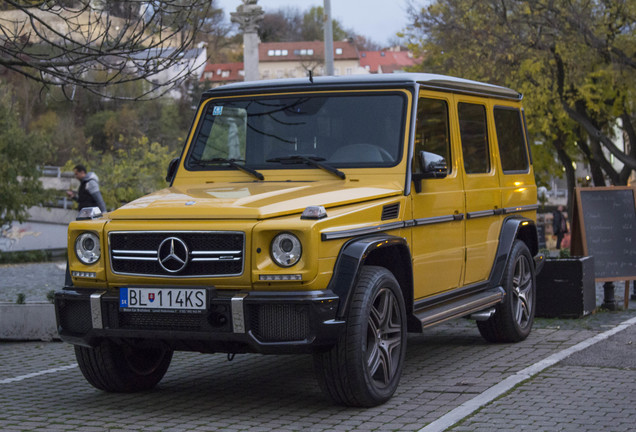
[66,100]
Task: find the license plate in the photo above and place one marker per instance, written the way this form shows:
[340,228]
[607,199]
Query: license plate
[173,299]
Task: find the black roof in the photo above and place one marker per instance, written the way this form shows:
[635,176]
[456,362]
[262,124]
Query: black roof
[432,81]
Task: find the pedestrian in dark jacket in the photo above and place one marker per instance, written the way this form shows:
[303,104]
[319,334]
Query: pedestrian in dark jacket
[559,225]
[88,194]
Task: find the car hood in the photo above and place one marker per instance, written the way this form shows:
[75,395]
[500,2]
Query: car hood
[250,200]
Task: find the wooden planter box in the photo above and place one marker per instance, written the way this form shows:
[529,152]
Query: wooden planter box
[566,288]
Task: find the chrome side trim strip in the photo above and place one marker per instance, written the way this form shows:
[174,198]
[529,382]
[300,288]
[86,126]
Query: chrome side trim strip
[96,310]
[238,314]
[361,231]
[480,214]
[523,208]
[424,221]
[434,220]
[390,226]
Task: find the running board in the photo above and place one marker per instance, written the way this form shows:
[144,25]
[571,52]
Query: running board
[459,307]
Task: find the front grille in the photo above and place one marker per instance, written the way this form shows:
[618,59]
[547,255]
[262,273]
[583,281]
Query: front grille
[160,321]
[208,253]
[280,323]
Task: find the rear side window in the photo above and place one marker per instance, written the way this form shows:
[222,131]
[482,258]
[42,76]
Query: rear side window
[512,145]
[474,133]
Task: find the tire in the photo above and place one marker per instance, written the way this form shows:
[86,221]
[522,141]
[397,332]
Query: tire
[363,369]
[514,316]
[122,368]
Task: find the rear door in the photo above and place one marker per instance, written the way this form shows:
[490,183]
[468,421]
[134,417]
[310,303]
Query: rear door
[481,184]
[518,187]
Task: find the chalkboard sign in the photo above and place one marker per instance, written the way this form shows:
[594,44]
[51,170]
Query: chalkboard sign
[606,223]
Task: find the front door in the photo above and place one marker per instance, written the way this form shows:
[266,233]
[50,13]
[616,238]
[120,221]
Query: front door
[438,231]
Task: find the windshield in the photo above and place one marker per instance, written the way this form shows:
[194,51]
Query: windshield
[361,130]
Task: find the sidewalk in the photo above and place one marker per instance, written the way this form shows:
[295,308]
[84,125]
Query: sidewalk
[590,390]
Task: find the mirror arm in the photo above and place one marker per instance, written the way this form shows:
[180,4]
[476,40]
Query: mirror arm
[172,169]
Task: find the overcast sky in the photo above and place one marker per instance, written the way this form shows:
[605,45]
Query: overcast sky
[377,20]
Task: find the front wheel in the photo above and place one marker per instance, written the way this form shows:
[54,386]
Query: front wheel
[514,316]
[123,368]
[363,369]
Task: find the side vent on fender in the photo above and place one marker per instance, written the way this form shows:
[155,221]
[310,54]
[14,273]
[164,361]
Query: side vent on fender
[391,211]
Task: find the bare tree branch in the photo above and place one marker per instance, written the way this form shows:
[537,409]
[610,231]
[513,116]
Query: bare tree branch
[105,43]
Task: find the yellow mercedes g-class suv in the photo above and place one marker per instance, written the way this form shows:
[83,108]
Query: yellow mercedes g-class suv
[327,216]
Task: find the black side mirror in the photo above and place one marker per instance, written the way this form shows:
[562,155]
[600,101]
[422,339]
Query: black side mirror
[172,169]
[431,166]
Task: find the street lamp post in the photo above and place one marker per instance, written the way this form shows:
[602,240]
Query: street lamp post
[328,31]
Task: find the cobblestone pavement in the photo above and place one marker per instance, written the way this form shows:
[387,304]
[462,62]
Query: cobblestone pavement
[41,387]
[592,390]
[33,280]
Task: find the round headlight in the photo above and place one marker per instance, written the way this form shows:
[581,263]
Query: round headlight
[87,248]
[286,249]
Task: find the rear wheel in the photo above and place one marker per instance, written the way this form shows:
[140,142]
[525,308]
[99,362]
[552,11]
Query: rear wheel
[364,367]
[514,316]
[123,368]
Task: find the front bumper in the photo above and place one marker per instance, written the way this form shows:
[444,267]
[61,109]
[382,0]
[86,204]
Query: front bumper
[236,321]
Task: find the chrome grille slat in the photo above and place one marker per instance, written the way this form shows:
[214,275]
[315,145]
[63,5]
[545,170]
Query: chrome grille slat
[217,259]
[215,252]
[137,253]
[134,258]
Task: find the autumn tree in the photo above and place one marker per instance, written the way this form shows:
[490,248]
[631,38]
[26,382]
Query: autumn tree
[283,25]
[574,61]
[292,25]
[127,174]
[20,155]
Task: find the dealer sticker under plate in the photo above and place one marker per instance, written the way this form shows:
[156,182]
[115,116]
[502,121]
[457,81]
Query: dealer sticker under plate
[172,299]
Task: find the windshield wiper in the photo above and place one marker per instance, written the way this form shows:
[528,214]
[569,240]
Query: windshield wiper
[314,161]
[232,163]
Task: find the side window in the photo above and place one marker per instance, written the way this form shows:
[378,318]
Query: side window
[512,145]
[474,133]
[432,131]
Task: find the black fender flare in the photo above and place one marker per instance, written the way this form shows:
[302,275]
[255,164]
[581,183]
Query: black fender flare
[513,228]
[371,250]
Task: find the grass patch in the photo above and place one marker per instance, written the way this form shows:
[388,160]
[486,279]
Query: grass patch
[19,257]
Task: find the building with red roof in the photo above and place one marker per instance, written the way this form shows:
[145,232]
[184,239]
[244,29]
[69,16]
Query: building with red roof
[386,61]
[216,74]
[296,59]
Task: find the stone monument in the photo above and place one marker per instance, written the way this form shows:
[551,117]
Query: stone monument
[248,16]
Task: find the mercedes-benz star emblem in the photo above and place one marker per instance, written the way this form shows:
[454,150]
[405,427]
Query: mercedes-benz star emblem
[173,254]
